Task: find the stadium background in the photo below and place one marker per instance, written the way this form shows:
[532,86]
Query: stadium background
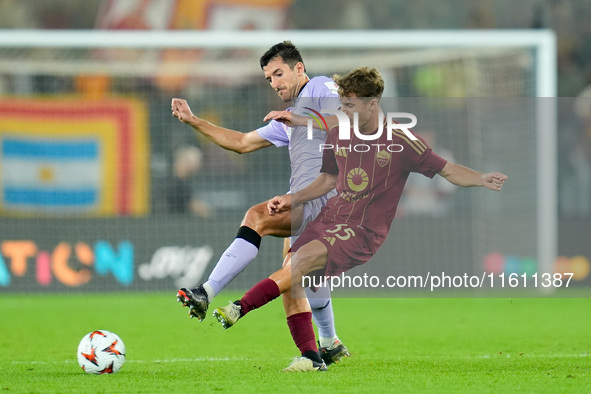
[139,239]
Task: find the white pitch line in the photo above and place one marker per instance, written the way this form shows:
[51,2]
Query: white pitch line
[225,359]
[534,355]
[497,355]
[197,359]
[174,360]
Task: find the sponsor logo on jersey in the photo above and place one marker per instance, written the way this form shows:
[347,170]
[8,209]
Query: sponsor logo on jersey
[357,179]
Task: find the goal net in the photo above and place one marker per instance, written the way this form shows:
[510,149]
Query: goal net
[102,189]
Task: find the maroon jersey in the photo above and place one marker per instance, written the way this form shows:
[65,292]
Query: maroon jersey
[371,176]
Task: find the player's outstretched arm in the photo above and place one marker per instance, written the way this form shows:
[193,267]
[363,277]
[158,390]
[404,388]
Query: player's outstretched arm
[228,139]
[464,176]
[291,119]
[318,188]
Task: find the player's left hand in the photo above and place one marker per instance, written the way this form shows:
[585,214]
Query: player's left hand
[278,204]
[280,116]
[287,117]
[494,180]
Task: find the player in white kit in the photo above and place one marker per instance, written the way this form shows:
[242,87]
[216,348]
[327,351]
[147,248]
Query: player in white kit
[283,67]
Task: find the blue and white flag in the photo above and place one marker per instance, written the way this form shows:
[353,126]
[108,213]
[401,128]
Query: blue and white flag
[49,175]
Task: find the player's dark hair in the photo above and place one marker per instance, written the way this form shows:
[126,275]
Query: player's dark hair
[287,51]
[364,82]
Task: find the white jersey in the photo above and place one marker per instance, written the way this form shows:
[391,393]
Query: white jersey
[305,156]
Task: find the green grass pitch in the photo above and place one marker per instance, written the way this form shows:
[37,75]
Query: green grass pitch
[397,345]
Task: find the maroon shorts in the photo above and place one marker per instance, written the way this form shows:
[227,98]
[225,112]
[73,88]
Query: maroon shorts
[348,246]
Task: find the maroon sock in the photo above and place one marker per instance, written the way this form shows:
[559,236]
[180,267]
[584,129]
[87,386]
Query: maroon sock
[261,293]
[302,331]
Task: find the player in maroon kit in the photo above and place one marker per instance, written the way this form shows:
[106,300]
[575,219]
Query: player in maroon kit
[354,223]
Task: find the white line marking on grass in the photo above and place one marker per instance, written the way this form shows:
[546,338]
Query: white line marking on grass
[533,355]
[174,360]
[490,356]
[408,357]
[197,359]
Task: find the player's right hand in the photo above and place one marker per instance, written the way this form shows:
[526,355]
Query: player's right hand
[181,110]
[279,204]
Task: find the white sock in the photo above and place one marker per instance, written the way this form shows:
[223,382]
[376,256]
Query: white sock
[209,290]
[326,342]
[235,258]
[322,313]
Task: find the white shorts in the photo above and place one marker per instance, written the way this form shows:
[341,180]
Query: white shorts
[311,210]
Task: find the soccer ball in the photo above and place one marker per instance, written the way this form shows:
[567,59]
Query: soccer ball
[101,352]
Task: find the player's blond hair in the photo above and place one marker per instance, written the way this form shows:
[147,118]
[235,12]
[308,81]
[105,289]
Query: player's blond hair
[363,82]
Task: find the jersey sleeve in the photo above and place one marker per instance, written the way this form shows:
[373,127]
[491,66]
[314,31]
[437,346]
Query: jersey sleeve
[275,132]
[329,161]
[418,156]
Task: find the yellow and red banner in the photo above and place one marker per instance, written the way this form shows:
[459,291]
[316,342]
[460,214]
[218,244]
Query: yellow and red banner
[74,156]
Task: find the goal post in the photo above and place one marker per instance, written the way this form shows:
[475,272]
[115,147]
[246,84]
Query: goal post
[543,42]
[222,67]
